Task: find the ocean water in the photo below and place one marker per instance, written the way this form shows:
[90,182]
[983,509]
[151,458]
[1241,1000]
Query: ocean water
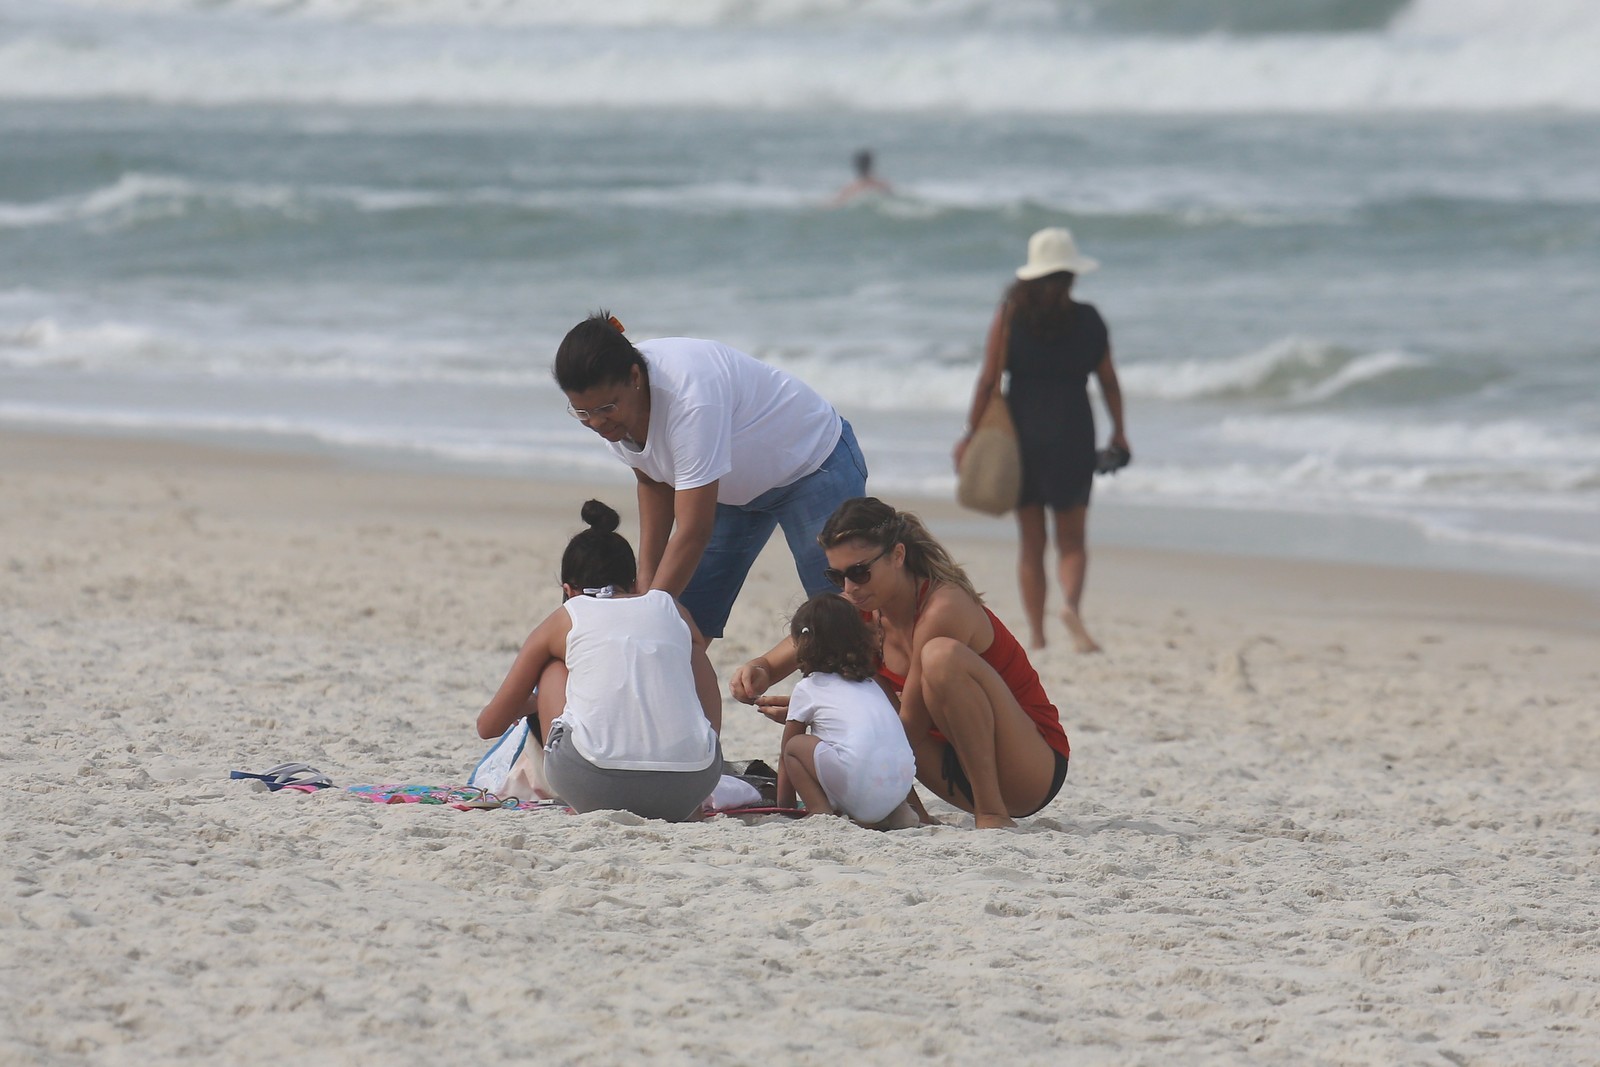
[1351,248]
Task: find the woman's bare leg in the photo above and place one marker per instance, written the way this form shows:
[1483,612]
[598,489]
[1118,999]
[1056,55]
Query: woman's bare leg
[1072,567]
[1032,540]
[1007,763]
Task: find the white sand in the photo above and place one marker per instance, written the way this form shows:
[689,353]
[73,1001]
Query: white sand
[1316,814]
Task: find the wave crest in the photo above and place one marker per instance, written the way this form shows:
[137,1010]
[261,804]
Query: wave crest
[1297,371]
[1169,17]
[1547,19]
[1065,56]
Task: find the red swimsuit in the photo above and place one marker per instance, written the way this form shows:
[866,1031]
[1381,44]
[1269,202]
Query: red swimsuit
[1010,662]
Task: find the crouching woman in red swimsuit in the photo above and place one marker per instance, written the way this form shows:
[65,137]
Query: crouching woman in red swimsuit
[986,737]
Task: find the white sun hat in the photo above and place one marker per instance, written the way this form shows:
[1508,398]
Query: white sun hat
[1051,250]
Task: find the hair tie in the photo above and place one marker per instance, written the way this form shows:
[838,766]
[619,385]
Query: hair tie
[605,592]
[805,629]
[616,324]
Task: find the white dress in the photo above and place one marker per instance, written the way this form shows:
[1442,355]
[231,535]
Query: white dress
[864,762]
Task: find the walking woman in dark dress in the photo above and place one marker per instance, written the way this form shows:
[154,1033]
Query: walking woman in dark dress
[1049,344]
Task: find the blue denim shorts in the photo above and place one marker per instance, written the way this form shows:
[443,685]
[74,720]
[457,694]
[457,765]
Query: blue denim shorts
[742,531]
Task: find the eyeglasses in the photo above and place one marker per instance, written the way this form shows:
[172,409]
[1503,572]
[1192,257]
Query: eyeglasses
[858,573]
[604,411]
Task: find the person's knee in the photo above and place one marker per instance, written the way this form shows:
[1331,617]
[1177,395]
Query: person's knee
[799,746]
[940,659]
[550,695]
[1071,530]
[1071,541]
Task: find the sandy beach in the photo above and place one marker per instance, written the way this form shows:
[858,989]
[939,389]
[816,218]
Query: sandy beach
[1316,813]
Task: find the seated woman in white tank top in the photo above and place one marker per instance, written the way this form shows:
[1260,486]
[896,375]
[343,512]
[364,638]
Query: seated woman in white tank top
[617,686]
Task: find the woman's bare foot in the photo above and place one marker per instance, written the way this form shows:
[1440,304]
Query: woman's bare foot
[1036,642]
[1080,633]
[992,822]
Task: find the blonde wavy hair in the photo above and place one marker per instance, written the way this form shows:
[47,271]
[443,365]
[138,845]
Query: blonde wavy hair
[868,519]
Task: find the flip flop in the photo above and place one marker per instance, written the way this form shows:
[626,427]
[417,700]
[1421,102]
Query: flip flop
[286,774]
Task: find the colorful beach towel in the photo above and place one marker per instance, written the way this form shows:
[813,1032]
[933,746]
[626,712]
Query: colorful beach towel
[460,797]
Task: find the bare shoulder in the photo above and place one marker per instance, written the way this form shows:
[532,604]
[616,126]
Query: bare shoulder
[952,612]
[553,628]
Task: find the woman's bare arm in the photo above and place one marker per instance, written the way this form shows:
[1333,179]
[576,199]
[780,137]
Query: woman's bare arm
[1111,393]
[754,678]
[705,675]
[994,364]
[694,513]
[655,525]
[548,641]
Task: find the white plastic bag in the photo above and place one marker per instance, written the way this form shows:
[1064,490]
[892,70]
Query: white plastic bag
[513,766]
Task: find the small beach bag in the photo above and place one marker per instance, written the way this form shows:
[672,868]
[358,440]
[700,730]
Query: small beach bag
[990,477]
[513,767]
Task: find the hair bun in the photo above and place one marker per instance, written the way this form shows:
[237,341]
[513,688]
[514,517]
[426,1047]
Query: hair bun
[600,517]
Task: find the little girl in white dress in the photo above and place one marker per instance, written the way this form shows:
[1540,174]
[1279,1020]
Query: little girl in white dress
[844,750]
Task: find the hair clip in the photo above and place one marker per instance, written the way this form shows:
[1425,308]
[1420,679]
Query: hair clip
[616,324]
[805,629]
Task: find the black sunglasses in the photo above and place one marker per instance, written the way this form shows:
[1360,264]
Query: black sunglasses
[859,573]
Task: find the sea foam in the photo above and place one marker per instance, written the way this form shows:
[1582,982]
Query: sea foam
[1040,58]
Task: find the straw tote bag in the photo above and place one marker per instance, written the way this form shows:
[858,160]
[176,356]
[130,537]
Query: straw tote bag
[990,477]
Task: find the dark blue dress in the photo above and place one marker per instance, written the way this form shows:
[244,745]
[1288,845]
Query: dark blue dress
[1050,363]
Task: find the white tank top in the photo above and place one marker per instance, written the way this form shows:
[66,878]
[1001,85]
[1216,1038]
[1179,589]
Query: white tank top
[631,701]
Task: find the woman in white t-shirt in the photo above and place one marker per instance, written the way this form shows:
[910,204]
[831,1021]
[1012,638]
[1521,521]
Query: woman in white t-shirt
[844,749]
[617,687]
[725,448]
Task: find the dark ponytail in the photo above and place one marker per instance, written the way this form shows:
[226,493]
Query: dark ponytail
[593,353]
[599,556]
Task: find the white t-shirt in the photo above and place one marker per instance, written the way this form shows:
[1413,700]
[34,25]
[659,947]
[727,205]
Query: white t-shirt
[631,700]
[857,719]
[716,413]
